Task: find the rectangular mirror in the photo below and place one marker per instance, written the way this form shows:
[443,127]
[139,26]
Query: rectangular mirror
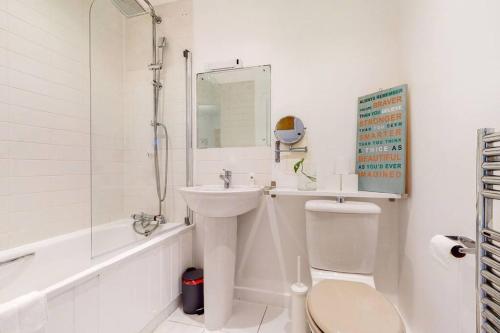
[234,107]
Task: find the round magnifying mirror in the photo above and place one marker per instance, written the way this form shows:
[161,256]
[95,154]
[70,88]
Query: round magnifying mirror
[289,130]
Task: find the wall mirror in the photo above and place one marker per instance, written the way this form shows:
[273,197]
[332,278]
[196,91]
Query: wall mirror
[288,130]
[234,107]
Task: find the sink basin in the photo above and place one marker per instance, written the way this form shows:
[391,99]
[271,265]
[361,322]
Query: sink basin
[218,208]
[217,201]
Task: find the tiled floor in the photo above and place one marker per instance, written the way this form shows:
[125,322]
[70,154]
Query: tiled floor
[247,318]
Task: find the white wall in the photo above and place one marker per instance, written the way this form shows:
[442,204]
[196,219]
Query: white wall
[451,63]
[324,54]
[44,119]
[323,57]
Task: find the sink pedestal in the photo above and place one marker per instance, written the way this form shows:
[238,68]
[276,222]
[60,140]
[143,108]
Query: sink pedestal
[219,269]
[219,208]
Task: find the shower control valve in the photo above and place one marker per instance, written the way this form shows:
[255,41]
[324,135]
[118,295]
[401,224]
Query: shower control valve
[160,219]
[157,84]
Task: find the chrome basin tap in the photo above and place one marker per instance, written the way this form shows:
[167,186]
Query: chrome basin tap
[226,176]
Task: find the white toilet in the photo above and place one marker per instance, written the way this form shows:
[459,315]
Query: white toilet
[342,243]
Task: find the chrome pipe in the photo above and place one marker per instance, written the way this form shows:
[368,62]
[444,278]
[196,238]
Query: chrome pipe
[491,291]
[152,12]
[491,194]
[491,180]
[483,216]
[490,262]
[493,235]
[156,67]
[491,248]
[189,127]
[493,151]
[487,327]
[492,278]
[491,136]
[492,318]
[491,165]
[491,304]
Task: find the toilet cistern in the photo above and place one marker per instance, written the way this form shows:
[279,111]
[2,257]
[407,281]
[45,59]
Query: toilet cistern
[341,245]
[226,176]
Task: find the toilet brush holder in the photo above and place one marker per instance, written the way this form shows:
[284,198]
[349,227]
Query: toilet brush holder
[298,306]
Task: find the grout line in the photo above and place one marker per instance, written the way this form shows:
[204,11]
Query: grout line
[50,49]
[42,29]
[27,90]
[15,69]
[29,108]
[262,319]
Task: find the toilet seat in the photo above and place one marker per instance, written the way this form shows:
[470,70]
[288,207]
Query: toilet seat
[350,307]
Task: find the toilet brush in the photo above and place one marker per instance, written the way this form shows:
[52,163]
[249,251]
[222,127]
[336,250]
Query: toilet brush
[298,306]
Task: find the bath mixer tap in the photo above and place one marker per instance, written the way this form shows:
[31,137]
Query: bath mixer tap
[144,224]
[226,176]
[147,219]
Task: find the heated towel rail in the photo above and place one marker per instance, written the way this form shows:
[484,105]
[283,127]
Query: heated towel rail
[488,236]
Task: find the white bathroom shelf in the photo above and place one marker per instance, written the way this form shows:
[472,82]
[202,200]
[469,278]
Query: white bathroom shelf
[327,193]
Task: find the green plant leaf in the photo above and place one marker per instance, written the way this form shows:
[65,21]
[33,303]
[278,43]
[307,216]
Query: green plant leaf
[297,165]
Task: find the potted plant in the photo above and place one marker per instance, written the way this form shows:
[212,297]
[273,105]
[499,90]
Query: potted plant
[306,180]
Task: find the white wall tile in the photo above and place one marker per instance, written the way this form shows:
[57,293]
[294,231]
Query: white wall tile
[44,114]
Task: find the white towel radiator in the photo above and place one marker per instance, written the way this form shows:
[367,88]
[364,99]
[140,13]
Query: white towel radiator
[488,232]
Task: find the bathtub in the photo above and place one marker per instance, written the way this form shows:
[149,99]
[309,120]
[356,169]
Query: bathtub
[129,290]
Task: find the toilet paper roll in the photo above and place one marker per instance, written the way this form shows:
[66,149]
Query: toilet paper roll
[441,248]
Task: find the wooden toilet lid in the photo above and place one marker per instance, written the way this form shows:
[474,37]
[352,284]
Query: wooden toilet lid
[351,307]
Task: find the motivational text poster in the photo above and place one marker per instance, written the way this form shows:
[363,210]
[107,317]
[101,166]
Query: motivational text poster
[381,142]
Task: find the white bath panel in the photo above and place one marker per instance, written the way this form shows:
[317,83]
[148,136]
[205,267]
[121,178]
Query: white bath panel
[172,327]
[87,307]
[276,320]
[61,313]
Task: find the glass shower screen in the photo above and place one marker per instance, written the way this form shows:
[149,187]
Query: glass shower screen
[122,136]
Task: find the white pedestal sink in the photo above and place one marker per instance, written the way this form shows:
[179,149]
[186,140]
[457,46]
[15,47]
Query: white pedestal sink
[220,208]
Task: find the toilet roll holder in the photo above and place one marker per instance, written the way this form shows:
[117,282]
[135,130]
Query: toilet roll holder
[464,246]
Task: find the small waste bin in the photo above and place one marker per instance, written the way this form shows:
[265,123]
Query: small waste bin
[192,291]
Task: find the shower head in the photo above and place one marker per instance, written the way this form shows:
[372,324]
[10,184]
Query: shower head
[129,8]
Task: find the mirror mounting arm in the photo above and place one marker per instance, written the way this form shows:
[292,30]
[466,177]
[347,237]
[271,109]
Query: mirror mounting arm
[291,149]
